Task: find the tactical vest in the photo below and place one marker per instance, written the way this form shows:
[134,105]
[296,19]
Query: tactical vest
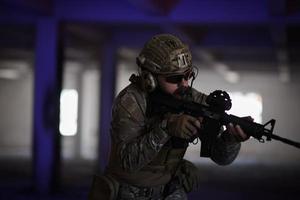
[169,157]
[162,167]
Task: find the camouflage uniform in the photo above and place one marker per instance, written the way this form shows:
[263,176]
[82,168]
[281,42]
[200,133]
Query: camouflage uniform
[143,155]
[145,159]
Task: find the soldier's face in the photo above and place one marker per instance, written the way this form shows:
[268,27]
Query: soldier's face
[169,87]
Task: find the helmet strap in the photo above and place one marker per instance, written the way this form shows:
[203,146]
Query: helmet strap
[194,76]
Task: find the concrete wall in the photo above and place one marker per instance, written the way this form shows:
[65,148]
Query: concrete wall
[16,96]
[16,116]
[86,81]
[90,114]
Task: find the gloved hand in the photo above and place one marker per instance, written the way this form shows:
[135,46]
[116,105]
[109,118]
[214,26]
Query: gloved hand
[183,126]
[237,132]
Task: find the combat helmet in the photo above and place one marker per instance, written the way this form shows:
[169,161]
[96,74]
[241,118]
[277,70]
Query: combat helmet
[163,54]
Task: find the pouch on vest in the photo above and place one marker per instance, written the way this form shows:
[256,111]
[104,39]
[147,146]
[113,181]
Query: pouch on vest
[104,187]
[189,176]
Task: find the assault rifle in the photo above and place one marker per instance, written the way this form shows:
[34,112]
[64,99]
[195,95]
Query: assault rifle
[214,117]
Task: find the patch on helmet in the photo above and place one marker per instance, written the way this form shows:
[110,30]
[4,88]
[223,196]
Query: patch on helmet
[182,60]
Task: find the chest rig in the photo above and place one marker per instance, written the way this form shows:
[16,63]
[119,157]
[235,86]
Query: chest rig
[172,153]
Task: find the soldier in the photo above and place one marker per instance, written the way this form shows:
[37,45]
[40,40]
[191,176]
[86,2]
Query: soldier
[146,159]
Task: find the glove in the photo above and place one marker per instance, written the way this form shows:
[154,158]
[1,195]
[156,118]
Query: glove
[182,126]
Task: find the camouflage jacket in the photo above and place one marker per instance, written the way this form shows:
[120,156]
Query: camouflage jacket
[142,152]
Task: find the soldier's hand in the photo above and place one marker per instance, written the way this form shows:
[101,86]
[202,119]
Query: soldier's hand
[238,132]
[183,126]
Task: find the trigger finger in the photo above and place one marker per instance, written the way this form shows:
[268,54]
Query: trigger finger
[187,133]
[241,133]
[191,128]
[197,124]
[231,129]
[200,119]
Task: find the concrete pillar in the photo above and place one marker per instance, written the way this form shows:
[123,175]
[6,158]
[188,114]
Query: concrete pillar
[47,88]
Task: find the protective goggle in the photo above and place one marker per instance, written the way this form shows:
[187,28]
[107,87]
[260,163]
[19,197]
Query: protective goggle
[178,77]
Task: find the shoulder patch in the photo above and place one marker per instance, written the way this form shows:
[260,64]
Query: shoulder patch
[131,105]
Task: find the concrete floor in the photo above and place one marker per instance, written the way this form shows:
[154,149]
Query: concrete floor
[238,181]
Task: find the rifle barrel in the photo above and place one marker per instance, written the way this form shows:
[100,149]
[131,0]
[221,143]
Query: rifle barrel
[285,140]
